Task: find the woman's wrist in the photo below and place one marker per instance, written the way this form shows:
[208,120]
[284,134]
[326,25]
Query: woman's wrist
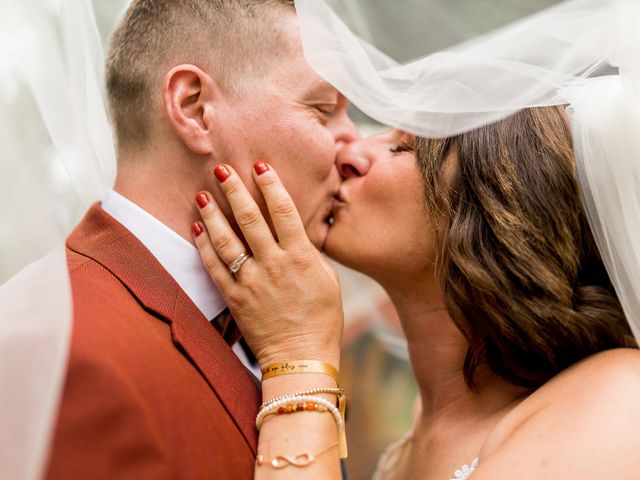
[302,433]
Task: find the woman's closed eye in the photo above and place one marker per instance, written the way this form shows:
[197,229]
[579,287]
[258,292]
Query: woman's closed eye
[403,147]
[406,143]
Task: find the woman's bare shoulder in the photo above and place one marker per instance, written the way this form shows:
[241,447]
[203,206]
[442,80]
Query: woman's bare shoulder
[604,375]
[592,406]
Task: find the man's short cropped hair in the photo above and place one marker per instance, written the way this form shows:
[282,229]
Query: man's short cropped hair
[232,40]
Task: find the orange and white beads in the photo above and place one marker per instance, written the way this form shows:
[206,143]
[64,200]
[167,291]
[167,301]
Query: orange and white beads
[299,403]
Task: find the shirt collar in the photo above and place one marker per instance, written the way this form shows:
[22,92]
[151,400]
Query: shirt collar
[178,257]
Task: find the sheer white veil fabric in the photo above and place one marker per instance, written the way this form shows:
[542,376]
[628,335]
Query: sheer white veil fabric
[35,325]
[58,157]
[53,47]
[557,56]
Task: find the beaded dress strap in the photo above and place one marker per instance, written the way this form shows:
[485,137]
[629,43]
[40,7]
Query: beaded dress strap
[464,472]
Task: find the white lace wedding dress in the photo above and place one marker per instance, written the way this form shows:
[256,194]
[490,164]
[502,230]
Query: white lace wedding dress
[394,454]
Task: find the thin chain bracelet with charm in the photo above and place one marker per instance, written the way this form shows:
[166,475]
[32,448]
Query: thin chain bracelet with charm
[301,460]
[332,391]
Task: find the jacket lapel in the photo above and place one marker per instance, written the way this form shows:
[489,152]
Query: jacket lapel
[102,238]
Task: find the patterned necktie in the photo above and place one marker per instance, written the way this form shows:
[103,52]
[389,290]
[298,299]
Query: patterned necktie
[226,327]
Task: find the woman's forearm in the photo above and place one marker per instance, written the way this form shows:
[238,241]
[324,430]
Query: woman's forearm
[293,435]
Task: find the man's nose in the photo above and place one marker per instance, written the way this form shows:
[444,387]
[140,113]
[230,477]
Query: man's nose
[344,131]
[352,160]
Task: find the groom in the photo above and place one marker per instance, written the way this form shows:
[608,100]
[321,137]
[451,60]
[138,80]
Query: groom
[154,387]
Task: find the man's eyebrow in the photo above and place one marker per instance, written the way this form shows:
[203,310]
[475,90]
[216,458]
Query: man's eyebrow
[319,89]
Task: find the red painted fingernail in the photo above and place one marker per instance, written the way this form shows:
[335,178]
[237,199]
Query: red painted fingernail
[197,229]
[222,173]
[261,167]
[202,200]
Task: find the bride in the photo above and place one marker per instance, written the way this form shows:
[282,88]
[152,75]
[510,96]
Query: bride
[525,361]
[480,213]
[503,298]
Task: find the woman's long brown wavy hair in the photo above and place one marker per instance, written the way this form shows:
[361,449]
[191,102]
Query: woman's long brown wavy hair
[519,269]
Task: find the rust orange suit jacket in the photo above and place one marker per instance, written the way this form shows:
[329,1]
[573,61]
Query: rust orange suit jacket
[152,390]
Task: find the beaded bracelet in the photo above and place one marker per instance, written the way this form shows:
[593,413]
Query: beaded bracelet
[332,391]
[293,402]
[298,407]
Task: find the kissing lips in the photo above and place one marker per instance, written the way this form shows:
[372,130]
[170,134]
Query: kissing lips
[328,218]
[337,203]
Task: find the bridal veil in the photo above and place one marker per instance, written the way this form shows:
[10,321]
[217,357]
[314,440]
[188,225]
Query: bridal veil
[582,53]
[55,162]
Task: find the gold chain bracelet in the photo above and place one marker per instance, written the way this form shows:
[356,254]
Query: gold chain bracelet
[301,460]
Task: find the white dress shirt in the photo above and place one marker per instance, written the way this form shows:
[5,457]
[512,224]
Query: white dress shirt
[178,257]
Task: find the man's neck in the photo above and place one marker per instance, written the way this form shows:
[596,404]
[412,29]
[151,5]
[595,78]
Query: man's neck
[168,197]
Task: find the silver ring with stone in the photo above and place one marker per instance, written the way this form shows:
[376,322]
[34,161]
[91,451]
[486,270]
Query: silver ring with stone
[234,267]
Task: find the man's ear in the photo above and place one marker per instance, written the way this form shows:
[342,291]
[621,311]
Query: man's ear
[189,95]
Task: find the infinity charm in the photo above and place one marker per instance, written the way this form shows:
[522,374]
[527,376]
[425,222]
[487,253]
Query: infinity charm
[300,461]
[283,461]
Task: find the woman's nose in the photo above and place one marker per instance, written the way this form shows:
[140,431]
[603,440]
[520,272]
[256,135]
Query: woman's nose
[352,160]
